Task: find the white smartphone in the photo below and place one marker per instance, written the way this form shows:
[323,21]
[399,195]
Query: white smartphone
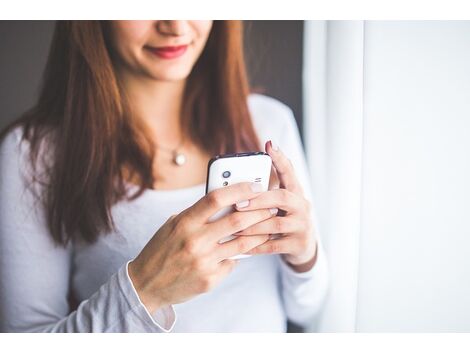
[228,169]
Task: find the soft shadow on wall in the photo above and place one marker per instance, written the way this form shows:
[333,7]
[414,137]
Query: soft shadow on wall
[25,45]
[274,53]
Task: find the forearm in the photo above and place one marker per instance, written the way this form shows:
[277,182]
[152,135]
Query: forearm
[115,307]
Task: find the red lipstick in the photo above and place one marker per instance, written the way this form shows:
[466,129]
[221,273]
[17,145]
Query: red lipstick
[168,52]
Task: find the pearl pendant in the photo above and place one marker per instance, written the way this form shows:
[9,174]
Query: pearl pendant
[179,159]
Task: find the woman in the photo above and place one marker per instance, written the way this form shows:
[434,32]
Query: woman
[116,151]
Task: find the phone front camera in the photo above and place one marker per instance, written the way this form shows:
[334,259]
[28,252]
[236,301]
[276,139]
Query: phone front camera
[226,174]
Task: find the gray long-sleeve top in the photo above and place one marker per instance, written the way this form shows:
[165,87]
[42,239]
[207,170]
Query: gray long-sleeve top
[36,276]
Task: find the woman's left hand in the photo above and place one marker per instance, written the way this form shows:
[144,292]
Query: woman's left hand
[292,232]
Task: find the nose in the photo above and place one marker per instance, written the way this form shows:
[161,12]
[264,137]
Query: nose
[174,28]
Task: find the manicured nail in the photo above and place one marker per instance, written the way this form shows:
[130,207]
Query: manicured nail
[256,187]
[243,204]
[273,211]
[274,146]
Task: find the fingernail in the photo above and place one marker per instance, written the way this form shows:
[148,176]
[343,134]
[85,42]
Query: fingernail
[243,204]
[274,146]
[256,187]
[273,211]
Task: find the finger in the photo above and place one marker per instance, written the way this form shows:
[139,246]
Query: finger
[239,245]
[214,201]
[284,169]
[273,179]
[238,221]
[278,198]
[278,246]
[277,224]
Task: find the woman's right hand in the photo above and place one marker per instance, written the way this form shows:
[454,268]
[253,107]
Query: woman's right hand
[184,259]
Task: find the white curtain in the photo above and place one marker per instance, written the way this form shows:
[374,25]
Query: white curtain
[387,126]
[333,98]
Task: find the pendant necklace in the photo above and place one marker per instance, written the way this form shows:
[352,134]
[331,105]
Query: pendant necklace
[178,158]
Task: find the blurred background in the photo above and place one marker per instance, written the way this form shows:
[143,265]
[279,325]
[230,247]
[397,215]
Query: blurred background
[384,112]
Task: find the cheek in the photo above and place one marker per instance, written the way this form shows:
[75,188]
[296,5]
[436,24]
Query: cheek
[202,30]
[130,35]
[132,29]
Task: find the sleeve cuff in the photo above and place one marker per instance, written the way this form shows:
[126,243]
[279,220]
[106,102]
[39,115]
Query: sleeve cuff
[304,293]
[288,272]
[162,320]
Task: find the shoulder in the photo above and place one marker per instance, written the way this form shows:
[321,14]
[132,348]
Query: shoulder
[14,158]
[14,169]
[10,144]
[15,153]
[268,109]
[271,117]
[267,103]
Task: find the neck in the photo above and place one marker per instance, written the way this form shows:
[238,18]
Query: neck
[158,104]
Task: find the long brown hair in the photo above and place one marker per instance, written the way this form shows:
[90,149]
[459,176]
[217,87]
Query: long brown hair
[93,139]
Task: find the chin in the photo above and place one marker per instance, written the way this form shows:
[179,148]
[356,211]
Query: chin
[170,79]
[171,75]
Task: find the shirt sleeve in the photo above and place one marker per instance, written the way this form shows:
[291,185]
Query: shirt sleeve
[35,272]
[303,293]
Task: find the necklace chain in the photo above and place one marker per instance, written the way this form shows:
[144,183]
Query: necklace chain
[171,150]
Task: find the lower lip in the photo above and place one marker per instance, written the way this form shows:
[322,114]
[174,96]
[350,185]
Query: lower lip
[169,53]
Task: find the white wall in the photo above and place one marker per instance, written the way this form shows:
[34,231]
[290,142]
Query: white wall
[413,269]
[414,272]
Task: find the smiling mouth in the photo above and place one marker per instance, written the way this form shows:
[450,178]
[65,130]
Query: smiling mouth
[168,52]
